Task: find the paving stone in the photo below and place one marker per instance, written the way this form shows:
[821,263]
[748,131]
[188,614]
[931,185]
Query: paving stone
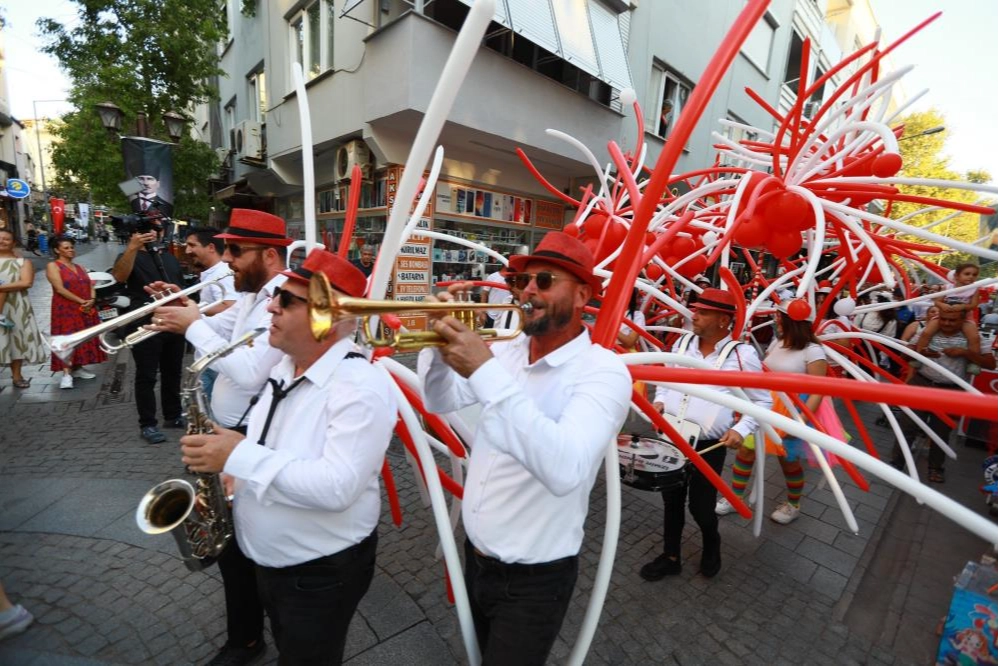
[827,556]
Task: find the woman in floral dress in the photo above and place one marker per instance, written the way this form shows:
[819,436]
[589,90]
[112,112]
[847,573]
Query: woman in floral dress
[72,311]
[20,342]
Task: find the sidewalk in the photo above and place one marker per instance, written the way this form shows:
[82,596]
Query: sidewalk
[72,470]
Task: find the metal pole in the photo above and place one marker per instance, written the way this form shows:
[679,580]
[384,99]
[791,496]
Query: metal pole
[41,159]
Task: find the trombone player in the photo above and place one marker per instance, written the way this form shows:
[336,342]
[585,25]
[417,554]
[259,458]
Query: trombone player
[307,500]
[255,249]
[551,402]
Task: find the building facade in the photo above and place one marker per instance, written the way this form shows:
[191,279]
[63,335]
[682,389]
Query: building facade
[371,68]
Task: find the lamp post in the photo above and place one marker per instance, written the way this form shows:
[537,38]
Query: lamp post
[932,130]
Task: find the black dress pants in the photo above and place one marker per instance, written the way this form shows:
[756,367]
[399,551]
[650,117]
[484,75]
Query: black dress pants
[311,604]
[163,353]
[701,495]
[517,608]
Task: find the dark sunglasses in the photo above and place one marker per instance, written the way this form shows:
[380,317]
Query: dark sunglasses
[285,298]
[544,279]
[237,250]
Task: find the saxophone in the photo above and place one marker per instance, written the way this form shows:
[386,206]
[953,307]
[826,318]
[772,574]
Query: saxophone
[198,514]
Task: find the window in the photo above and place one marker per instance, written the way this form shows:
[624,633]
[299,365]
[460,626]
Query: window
[669,95]
[792,71]
[760,42]
[737,134]
[257,96]
[312,38]
[226,13]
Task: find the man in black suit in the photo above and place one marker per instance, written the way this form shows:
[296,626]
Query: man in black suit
[148,200]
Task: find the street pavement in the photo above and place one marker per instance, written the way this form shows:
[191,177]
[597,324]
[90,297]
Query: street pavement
[73,468]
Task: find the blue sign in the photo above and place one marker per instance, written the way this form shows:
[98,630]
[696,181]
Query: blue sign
[17,188]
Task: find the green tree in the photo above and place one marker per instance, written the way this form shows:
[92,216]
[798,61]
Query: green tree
[922,157]
[147,56]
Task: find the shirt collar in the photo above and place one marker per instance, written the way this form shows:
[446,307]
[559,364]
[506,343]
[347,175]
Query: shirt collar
[321,372]
[566,352]
[276,281]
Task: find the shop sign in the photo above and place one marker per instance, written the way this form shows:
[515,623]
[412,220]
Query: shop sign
[549,215]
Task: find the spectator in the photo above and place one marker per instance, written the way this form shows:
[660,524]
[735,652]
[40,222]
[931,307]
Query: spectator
[72,311]
[143,263]
[20,340]
[366,262]
[965,299]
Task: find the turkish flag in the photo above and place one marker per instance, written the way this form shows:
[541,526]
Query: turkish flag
[58,207]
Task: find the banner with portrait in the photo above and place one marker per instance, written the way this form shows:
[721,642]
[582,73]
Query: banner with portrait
[150,162]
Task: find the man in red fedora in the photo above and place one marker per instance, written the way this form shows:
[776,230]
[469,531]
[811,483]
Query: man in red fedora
[703,424]
[307,500]
[255,250]
[551,401]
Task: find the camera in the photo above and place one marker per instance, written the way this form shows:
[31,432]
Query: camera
[137,223]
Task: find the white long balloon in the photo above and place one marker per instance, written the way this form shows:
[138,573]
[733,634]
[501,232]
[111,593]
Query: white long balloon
[455,69]
[308,166]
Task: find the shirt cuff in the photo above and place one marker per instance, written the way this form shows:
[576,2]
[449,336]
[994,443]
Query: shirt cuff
[256,465]
[491,383]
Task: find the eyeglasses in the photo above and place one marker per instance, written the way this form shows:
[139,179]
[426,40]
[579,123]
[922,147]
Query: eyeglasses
[285,298]
[544,279]
[237,250]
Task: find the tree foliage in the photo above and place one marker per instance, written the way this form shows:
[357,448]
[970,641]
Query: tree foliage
[146,56]
[923,157]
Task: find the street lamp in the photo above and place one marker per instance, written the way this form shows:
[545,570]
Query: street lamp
[111,117]
[932,130]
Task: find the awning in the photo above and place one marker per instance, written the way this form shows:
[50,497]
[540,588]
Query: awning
[584,33]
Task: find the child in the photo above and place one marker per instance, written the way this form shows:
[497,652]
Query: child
[964,300]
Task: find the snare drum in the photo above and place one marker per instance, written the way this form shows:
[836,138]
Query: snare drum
[649,464]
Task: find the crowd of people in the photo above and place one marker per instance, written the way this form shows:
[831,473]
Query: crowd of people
[303,422]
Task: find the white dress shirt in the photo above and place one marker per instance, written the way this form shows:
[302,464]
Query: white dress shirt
[715,420]
[542,433]
[245,370]
[312,489]
[223,290]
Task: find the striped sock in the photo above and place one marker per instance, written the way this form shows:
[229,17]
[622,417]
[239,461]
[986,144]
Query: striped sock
[741,469]
[794,475]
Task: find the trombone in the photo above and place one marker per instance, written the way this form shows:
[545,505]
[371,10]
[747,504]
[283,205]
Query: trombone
[63,345]
[327,309]
[111,344]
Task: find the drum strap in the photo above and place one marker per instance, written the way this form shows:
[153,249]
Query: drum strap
[730,346]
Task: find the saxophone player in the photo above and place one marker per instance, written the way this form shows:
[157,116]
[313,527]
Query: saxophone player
[307,502]
[255,249]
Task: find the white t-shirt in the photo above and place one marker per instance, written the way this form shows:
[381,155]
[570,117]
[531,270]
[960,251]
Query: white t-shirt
[638,317]
[784,359]
[963,295]
[224,290]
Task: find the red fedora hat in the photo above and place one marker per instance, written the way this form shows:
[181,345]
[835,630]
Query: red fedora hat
[566,252]
[255,226]
[716,299]
[343,275]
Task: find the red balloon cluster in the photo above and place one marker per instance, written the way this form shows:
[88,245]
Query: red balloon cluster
[775,220]
[599,233]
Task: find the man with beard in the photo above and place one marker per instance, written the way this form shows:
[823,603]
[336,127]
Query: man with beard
[551,402]
[256,252]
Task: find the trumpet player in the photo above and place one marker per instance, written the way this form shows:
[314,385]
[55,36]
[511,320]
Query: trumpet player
[255,249]
[551,402]
[142,264]
[307,502]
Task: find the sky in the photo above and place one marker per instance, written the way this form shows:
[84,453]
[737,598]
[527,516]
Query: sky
[955,57]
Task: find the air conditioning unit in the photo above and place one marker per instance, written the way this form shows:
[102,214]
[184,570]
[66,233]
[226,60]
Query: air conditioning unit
[811,108]
[247,141]
[349,154]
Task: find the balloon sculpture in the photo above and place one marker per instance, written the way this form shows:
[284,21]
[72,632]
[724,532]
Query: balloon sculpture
[800,196]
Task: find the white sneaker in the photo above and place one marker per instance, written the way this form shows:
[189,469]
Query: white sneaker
[66,382]
[17,622]
[83,373]
[785,514]
[724,507]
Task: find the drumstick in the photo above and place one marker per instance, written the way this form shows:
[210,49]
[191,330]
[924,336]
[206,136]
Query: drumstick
[711,448]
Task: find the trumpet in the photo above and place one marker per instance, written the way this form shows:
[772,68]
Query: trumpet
[63,345]
[326,309]
[112,345]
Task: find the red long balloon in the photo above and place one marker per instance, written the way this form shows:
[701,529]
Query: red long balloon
[945,400]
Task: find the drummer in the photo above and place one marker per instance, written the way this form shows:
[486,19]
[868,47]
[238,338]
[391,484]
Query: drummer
[705,424]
